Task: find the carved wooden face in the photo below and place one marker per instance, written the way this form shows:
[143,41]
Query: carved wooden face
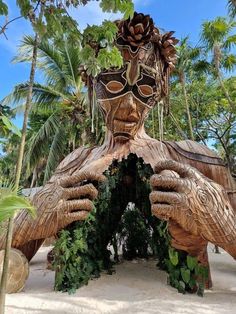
[125,105]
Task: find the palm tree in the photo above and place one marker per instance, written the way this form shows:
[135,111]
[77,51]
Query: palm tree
[186,57]
[217,39]
[59,112]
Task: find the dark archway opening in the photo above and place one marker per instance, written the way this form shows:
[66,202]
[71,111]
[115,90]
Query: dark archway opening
[121,225]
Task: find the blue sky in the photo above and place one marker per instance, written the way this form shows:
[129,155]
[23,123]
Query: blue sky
[183,16]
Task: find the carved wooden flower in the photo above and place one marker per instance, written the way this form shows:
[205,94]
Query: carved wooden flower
[137,31]
[168,49]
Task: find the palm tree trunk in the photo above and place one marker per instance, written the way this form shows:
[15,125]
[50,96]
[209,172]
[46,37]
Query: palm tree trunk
[217,58]
[17,178]
[231,103]
[34,177]
[183,84]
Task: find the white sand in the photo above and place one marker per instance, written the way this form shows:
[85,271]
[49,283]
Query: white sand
[135,288]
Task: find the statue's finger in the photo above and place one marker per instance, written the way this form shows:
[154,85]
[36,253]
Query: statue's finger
[162,211]
[77,205]
[80,177]
[87,191]
[171,198]
[76,216]
[167,183]
[185,171]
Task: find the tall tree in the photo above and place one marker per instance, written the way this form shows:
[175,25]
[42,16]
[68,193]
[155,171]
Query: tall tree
[186,57]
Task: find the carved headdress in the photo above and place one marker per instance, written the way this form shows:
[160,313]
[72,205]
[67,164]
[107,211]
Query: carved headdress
[148,58]
[142,46]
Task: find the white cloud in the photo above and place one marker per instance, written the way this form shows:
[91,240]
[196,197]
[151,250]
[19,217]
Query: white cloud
[138,4]
[92,14]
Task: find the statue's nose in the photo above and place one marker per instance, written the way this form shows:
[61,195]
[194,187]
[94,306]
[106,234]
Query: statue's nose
[130,101]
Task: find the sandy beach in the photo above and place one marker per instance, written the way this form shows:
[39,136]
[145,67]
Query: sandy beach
[136,287]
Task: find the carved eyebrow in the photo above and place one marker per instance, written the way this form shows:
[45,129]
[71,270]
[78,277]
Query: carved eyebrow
[147,80]
[149,69]
[112,76]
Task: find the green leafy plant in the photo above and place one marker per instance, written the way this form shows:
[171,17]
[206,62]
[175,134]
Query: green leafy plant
[185,273]
[11,201]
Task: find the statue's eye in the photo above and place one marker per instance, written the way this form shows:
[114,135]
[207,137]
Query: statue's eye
[145,90]
[114,87]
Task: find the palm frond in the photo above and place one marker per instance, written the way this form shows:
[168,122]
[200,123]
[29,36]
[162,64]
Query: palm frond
[49,60]
[202,66]
[18,95]
[232,8]
[55,153]
[25,50]
[41,95]
[216,31]
[72,60]
[228,62]
[39,142]
[230,42]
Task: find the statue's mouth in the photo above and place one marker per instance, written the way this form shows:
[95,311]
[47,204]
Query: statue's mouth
[124,126]
[126,122]
[127,118]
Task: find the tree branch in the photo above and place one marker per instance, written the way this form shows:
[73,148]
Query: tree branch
[4,27]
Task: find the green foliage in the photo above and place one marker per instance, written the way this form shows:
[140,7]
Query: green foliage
[191,262]
[124,6]
[77,256]
[10,126]
[51,19]
[218,31]
[107,59]
[185,274]
[173,255]
[25,6]
[232,8]
[136,232]
[3,8]
[11,202]
[98,50]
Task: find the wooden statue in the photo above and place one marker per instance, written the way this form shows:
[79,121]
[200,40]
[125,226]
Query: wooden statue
[192,188]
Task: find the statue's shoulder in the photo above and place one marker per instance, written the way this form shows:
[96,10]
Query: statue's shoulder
[194,151]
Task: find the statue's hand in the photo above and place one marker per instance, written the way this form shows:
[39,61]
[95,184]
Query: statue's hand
[199,205]
[66,200]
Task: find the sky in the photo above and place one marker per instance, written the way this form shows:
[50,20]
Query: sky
[183,16]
